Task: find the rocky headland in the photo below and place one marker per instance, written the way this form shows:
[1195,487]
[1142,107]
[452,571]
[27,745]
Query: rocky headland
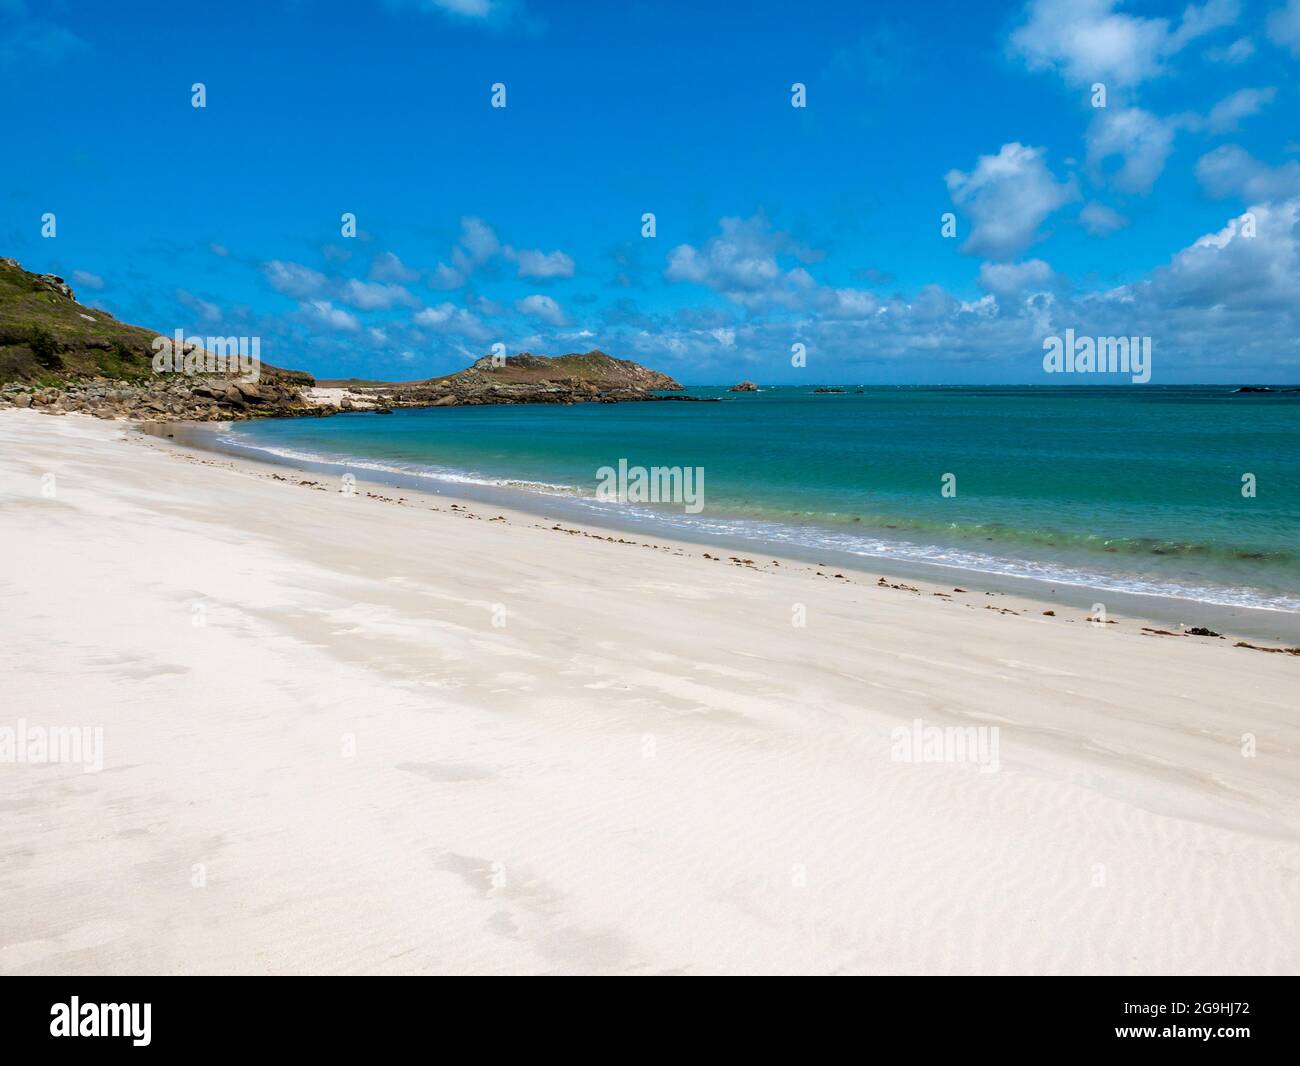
[60,356]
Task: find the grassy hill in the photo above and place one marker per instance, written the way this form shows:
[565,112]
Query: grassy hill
[58,354]
[585,368]
[47,338]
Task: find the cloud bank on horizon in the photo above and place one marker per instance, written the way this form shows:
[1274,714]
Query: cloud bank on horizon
[956,187]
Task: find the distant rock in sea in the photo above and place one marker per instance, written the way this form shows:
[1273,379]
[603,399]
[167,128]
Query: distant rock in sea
[744,386]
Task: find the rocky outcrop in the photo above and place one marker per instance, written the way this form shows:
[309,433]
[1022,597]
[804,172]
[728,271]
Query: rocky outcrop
[575,371]
[208,398]
[744,386]
[589,377]
[59,356]
[193,399]
[51,282]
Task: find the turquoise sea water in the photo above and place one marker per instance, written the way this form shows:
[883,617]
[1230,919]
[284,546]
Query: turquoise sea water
[1130,488]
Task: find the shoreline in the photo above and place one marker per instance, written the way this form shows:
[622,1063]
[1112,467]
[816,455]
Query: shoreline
[654,763]
[1246,623]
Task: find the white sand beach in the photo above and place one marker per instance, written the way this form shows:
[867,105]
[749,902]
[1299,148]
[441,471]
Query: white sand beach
[381,735]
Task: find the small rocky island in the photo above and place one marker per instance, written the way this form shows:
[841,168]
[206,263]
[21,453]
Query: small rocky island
[586,377]
[60,356]
[744,386]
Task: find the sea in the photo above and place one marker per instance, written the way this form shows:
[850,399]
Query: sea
[1190,493]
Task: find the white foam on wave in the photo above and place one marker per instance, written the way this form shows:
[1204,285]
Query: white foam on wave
[1057,573]
[807,537]
[432,473]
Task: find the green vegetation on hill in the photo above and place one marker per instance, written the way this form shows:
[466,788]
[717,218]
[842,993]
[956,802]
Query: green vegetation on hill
[584,368]
[47,338]
[56,352]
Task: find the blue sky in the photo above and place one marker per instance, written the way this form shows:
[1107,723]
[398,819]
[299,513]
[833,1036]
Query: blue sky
[775,225]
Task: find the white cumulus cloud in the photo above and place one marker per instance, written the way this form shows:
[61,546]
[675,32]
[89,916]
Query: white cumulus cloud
[1100,220]
[325,315]
[537,264]
[1142,141]
[1228,112]
[1232,171]
[373,295]
[1006,198]
[743,262]
[1011,279]
[1091,41]
[544,308]
[1284,27]
[387,267]
[293,279]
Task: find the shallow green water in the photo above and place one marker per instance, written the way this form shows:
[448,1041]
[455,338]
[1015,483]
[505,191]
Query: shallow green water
[1133,488]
